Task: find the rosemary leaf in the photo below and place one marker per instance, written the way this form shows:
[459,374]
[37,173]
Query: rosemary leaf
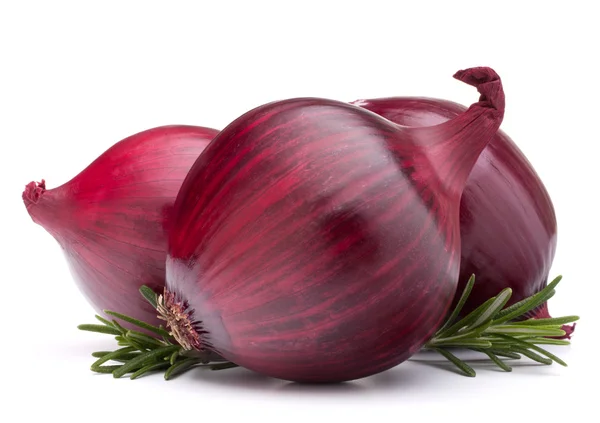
[119,327]
[142,337]
[487,315]
[497,360]
[529,303]
[142,346]
[99,329]
[532,355]
[548,341]
[115,354]
[144,358]
[464,343]
[105,369]
[549,321]
[548,354]
[223,366]
[149,295]
[526,344]
[180,367]
[507,354]
[467,320]
[124,357]
[148,368]
[514,310]
[139,323]
[539,331]
[464,367]
[103,320]
[461,303]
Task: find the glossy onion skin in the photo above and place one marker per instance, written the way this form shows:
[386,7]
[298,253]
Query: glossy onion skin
[111,219]
[315,241]
[508,223]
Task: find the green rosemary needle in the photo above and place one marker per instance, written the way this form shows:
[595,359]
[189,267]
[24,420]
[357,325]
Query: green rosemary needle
[489,329]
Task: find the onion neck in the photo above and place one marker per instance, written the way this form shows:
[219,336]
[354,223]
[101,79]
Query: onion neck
[450,150]
[50,209]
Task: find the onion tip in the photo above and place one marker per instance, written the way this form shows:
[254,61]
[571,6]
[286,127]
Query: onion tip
[569,330]
[33,191]
[489,85]
[542,313]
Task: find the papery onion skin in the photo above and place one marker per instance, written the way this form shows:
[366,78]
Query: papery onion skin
[111,219]
[315,241]
[508,222]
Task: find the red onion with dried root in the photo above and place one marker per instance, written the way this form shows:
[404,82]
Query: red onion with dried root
[312,234]
[507,222]
[110,220]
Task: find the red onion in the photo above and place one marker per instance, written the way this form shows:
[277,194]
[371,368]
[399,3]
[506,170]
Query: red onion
[508,225]
[110,219]
[315,241]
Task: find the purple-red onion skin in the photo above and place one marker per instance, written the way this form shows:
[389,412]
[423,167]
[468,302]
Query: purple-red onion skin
[315,241]
[508,223]
[111,219]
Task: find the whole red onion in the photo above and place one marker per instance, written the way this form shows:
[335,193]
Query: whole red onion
[508,225]
[110,219]
[315,241]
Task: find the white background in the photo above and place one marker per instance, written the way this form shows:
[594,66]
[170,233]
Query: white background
[77,77]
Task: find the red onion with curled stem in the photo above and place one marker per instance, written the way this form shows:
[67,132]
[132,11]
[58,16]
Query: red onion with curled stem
[110,219]
[315,241]
[508,224]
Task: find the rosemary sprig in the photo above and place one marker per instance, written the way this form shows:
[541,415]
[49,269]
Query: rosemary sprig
[490,329]
[141,353]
